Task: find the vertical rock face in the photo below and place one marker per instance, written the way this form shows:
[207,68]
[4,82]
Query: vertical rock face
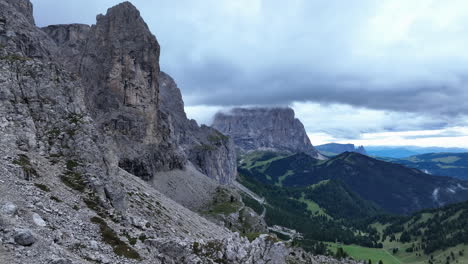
[135,103]
[265,129]
[209,150]
[72,41]
[25,8]
[118,61]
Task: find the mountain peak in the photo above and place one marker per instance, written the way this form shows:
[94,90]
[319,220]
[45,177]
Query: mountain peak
[265,129]
[126,12]
[25,7]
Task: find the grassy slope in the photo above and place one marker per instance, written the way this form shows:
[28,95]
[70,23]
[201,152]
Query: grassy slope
[401,257]
[363,253]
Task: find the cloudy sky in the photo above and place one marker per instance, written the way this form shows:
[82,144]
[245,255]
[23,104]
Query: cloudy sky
[387,72]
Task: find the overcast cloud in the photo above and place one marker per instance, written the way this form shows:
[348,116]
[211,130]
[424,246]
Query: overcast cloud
[348,68]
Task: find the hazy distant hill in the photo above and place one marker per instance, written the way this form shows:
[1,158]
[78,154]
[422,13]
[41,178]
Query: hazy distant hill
[407,151]
[441,164]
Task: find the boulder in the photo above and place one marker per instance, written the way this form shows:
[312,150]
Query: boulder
[24,237]
[9,209]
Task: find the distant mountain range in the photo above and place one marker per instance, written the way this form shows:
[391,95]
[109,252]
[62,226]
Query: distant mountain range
[407,151]
[393,187]
[333,149]
[440,164]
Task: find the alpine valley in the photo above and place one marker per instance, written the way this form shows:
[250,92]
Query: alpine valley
[99,163]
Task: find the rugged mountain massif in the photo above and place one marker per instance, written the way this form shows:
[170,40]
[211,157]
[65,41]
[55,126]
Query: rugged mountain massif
[89,146]
[265,129]
[439,164]
[135,103]
[333,149]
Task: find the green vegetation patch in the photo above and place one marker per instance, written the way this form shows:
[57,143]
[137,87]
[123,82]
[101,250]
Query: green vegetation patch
[314,208]
[205,147]
[42,187]
[210,250]
[225,208]
[54,198]
[75,118]
[25,164]
[108,235]
[252,203]
[259,159]
[364,253]
[252,236]
[217,138]
[131,240]
[73,178]
[92,202]
[283,177]
[15,58]
[448,159]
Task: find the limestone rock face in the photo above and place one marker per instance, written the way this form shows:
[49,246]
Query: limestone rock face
[209,150]
[135,103]
[25,8]
[118,62]
[265,129]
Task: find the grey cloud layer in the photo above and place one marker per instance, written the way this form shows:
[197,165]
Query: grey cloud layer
[391,54]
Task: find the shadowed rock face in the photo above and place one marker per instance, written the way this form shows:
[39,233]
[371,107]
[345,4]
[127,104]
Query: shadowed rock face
[265,129]
[209,150]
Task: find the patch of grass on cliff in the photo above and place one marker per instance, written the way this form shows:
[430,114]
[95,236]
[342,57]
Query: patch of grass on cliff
[209,250]
[54,198]
[131,240]
[75,118]
[15,58]
[205,147]
[225,208]
[252,236]
[108,235]
[42,187]
[25,164]
[72,164]
[217,138]
[92,202]
[72,178]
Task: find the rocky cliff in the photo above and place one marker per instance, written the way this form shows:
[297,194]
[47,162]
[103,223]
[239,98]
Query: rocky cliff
[80,118]
[209,150]
[135,103]
[265,129]
[332,149]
